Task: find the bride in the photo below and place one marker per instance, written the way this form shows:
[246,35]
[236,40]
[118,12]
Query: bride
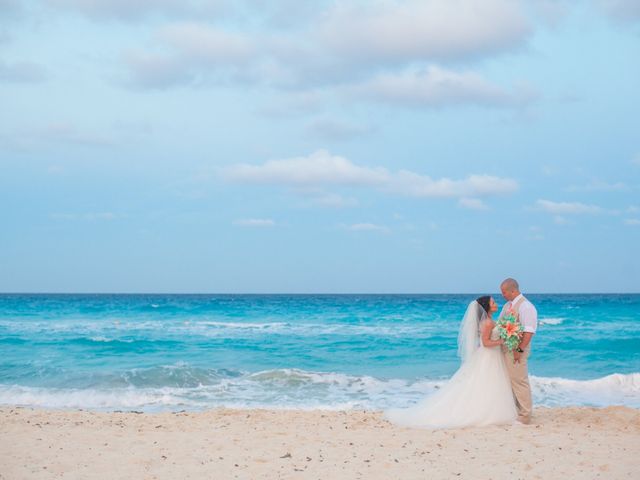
[479,393]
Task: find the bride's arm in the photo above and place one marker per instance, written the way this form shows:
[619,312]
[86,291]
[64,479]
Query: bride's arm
[487,326]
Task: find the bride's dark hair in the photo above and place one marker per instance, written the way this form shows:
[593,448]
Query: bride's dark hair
[485,302]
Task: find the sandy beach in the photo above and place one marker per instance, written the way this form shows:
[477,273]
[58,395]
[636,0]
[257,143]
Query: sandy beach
[561,443]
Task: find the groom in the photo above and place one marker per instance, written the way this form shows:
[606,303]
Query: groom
[517,367]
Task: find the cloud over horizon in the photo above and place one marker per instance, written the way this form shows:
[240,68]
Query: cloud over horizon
[389,51]
[383,31]
[437,87]
[322,169]
[568,208]
[129,11]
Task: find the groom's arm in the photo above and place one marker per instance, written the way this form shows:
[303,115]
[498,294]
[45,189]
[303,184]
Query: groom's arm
[529,319]
[526,339]
[524,343]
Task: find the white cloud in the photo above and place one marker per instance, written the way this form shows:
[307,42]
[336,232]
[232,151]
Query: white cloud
[319,168]
[21,72]
[254,222]
[368,227]
[344,43]
[391,31]
[200,54]
[323,169]
[437,87]
[58,133]
[128,10]
[599,186]
[415,185]
[278,13]
[567,208]
[210,45]
[636,160]
[472,203]
[634,222]
[196,52]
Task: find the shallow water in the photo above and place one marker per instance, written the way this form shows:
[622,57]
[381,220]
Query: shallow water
[172,352]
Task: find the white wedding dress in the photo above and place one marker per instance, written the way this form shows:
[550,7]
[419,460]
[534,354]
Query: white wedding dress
[478,394]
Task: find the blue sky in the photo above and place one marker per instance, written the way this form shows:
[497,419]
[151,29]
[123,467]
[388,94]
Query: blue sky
[327,146]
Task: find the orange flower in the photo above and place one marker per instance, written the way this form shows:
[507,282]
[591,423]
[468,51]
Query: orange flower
[511,329]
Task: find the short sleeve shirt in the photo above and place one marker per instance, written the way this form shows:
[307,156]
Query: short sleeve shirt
[527,314]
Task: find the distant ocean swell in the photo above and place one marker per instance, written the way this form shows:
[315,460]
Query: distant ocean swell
[177,387]
[99,330]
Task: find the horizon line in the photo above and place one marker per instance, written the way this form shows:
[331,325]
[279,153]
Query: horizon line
[312,293]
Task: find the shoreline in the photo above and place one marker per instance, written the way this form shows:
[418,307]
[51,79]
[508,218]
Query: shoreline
[563,442]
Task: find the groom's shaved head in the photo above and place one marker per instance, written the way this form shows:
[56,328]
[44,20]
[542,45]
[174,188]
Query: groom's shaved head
[510,289]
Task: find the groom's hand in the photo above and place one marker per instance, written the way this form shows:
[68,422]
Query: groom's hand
[516,357]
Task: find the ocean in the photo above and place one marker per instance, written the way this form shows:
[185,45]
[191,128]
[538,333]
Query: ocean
[167,352]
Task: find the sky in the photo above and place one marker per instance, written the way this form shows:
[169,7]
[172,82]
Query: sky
[284,146]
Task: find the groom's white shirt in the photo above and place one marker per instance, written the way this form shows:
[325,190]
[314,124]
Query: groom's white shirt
[527,314]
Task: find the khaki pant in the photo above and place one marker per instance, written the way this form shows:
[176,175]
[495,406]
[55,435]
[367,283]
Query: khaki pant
[519,375]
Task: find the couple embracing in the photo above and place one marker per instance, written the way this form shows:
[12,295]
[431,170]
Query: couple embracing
[492,384]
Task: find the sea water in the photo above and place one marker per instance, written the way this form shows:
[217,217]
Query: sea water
[191,352]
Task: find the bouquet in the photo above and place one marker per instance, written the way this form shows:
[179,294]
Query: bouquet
[510,330]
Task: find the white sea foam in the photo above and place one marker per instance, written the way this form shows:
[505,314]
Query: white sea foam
[217,329]
[243,325]
[101,338]
[299,389]
[212,328]
[615,389]
[92,399]
[552,321]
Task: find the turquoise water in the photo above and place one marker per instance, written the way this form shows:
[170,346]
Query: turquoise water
[173,352]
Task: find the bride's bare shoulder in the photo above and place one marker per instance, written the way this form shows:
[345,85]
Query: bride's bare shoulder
[487,323]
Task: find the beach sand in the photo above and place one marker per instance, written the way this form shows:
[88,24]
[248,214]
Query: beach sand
[561,443]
